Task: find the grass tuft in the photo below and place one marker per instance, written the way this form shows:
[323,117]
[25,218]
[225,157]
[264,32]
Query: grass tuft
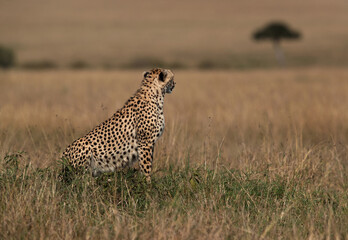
[268,204]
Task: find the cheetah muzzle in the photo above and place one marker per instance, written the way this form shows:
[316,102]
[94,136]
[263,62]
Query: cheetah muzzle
[130,134]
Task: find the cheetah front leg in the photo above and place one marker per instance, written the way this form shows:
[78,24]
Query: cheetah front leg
[145,153]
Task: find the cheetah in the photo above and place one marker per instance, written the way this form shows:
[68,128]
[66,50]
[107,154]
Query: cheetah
[130,134]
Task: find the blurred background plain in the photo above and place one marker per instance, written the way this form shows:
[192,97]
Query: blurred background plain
[188,33]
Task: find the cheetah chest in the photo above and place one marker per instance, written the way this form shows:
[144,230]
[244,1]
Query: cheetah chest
[160,121]
[161,124]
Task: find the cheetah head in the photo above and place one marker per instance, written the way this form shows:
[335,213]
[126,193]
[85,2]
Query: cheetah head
[160,78]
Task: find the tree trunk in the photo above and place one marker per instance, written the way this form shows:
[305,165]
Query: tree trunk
[278,51]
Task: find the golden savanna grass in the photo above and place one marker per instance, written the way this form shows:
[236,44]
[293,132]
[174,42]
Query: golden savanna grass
[281,129]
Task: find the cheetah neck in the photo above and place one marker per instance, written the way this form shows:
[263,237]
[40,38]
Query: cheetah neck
[152,94]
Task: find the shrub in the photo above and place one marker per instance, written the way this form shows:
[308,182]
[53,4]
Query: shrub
[208,64]
[39,65]
[79,64]
[7,57]
[145,63]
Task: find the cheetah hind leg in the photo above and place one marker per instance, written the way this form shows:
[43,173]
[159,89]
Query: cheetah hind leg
[93,168]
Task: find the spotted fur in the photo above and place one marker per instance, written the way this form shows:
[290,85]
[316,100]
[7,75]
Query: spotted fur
[130,134]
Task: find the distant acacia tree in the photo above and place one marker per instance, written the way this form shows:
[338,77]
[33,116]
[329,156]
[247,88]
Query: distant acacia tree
[275,32]
[7,57]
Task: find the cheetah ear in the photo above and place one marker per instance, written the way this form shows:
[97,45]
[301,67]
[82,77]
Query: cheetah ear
[145,74]
[161,76]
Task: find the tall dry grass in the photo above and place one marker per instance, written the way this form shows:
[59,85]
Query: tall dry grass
[256,154]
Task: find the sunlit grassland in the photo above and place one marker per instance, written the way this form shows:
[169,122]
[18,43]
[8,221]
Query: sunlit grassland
[247,154]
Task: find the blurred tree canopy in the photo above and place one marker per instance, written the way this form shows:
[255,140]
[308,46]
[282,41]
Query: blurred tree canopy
[275,32]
